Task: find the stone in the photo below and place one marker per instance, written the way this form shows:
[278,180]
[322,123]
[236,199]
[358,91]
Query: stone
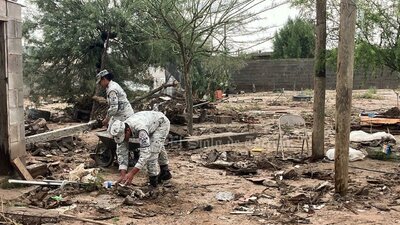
[128,200]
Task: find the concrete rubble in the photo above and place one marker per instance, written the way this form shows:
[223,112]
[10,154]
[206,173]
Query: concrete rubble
[228,171]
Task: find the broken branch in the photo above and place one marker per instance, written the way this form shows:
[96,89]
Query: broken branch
[151,93]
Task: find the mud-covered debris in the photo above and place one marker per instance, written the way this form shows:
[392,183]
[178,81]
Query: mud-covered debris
[208,207]
[123,191]
[290,174]
[225,196]
[380,206]
[128,201]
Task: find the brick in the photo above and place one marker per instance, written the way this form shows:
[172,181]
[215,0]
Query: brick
[14,29]
[22,131]
[17,149]
[14,11]
[13,132]
[3,9]
[12,98]
[16,116]
[15,81]
[20,98]
[14,46]
[15,63]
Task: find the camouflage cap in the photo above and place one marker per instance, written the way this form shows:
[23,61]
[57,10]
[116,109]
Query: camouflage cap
[117,130]
[100,75]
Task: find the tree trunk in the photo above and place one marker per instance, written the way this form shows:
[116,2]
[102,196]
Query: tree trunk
[102,66]
[318,134]
[344,86]
[189,98]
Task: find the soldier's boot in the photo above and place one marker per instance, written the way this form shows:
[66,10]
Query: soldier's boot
[153,181]
[164,173]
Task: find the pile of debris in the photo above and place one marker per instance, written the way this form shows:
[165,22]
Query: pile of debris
[37,126]
[239,163]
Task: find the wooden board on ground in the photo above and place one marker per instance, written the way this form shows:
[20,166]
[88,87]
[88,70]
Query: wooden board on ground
[222,119]
[21,169]
[365,120]
[202,141]
[178,130]
[37,169]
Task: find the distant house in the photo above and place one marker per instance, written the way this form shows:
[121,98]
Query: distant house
[162,76]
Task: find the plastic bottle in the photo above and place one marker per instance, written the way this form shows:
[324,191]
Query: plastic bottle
[108,184]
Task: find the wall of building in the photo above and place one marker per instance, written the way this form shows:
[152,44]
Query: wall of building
[12,108]
[297,74]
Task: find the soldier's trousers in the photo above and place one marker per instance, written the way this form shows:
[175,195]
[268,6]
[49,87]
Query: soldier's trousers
[158,154]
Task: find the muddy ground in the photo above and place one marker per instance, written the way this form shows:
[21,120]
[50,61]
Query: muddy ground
[305,197]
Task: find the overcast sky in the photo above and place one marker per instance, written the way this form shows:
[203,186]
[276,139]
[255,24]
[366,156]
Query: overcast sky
[275,18]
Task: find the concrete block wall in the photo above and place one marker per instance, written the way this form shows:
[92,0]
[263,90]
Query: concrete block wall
[297,74]
[12,140]
[15,80]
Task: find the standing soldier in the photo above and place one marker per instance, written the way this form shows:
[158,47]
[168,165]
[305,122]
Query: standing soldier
[152,128]
[119,106]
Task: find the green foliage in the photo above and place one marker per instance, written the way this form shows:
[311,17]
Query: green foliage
[371,93]
[62,59]
[295,40]
[377,34]
[213,73]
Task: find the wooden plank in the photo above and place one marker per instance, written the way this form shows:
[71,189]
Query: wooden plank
[202,141]
[178,130]
[60,133]
[21,169]
[37,169]
[223,119]
[365,120]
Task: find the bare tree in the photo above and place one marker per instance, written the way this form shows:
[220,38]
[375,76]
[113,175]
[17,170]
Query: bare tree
[344,88]
[199,28]
[319,83]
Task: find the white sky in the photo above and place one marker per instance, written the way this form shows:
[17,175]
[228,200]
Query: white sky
[275,18]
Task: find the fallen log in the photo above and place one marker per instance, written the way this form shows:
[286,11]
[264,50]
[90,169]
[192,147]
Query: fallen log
[60,133]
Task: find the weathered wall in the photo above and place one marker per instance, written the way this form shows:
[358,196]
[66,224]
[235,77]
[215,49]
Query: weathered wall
[297,74]
[12,108]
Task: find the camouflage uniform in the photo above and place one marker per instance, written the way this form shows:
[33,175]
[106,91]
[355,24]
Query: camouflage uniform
[119,106]
[152,128]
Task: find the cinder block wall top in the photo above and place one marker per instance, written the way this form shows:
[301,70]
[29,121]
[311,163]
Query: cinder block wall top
[297,74]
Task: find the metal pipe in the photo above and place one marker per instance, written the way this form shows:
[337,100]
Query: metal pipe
[44,182]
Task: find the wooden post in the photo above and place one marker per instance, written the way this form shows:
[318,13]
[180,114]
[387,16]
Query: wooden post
[344,86]
[318,134]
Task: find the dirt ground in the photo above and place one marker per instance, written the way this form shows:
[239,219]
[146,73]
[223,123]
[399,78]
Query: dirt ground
[374,197]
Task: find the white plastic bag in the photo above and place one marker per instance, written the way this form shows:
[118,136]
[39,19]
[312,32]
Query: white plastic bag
[354,154]
[361,136]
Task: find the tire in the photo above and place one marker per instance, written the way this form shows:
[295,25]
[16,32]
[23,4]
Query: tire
[104,156]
